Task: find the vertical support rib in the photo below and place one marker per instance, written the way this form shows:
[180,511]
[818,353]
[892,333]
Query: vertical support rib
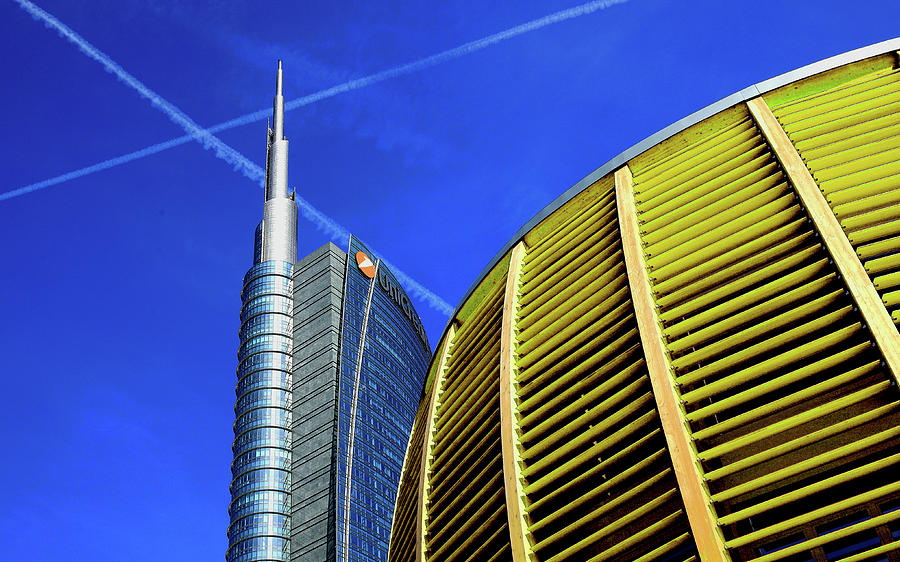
[710,543]
[426,446]
[509,438]
[851,269]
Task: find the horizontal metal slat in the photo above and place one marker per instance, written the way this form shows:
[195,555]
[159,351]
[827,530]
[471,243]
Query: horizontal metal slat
[832,537]
[489,441]
[504,553]
[836,100]
[788,336]
[876,186]
[752,304]
[534,431]
[471,494]
[573,222]
[647,508]
[787,401]
[742,237]
[673,164]
[483,512]
[560,450]
[488,405]
[474,404]
[589,272]
[720,197]
[802,441]
[497,522]
[872,553]
[533,489]
[883,263]
[800,520]
[469,356]
[792,422]
[888,281]
[606,487]
[699,171]
[808,464]
[614,552]
[477,326]
[717,215]
[458,375]
[864,205]
[676,207]
[593,288]
[537,383]
[777,383]
[847,116]
[569,241]
[564,389]
[533,295]
[538,274]
[865,181]
[724,267]
[688,152]
[841,91]
[745,226]
[721,345]
[878,151]
[575,333]
[881,230]
[463,347]
[603,509]
[809,490]
[537,442]
[478,377]
[824,147]
[659,551]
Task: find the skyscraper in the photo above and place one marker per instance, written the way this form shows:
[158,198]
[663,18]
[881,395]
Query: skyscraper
[259,514]
[359,360]
[330,370]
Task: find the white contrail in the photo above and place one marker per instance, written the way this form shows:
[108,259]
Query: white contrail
[222,150]
[355,84]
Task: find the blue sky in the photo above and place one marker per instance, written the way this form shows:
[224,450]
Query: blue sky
[121,288]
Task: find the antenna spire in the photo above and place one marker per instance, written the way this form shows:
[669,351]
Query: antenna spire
[278,109]
[276,169]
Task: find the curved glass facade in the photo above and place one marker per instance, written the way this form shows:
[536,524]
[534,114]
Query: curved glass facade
[383,360]
[259,513]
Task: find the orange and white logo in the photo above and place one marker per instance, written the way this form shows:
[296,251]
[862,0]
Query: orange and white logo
[365,265]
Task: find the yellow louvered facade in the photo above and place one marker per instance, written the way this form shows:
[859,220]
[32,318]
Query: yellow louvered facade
[693,355]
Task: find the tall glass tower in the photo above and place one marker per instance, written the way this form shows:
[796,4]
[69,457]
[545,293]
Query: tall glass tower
[259,513]
[331,366]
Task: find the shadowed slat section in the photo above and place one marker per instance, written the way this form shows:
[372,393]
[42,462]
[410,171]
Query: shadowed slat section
[709,540]
[422,503]
[466,508]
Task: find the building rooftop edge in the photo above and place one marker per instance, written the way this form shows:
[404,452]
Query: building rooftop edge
[746,94]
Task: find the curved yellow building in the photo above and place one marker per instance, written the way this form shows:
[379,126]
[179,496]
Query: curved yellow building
[690,355]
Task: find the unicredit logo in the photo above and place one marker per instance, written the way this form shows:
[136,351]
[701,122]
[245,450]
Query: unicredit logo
[365,265]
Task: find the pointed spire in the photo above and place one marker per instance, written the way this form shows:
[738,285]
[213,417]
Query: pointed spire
[276,153]
[278,109]
[278,80]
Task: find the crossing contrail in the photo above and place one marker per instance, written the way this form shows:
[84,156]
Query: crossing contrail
[348,86]
[210,142]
